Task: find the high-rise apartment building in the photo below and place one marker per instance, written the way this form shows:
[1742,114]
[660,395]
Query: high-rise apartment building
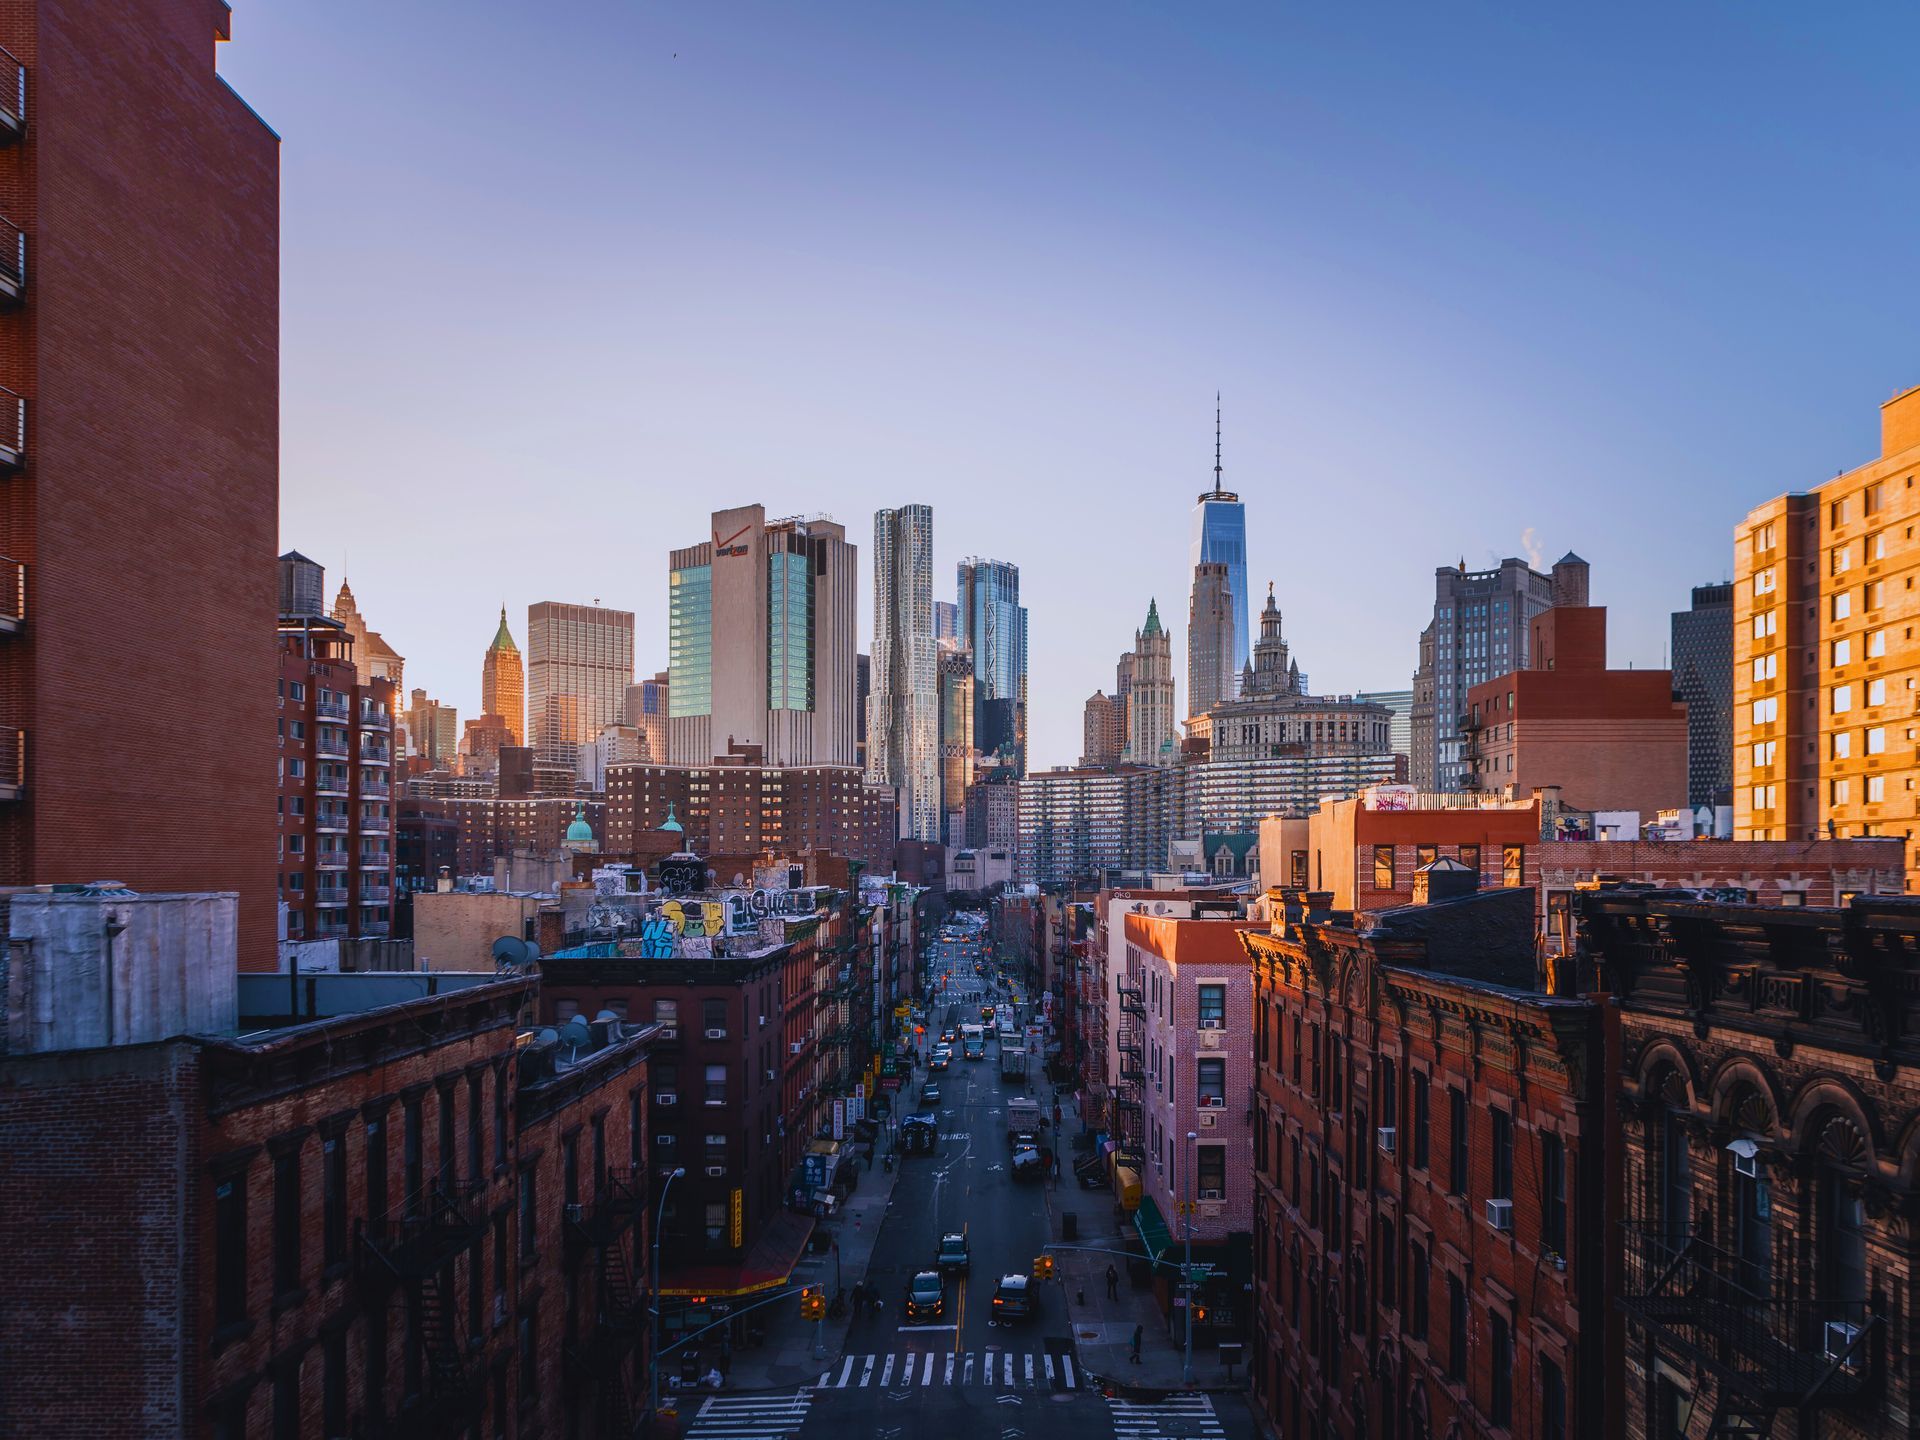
[1150,735]
[1826,668]
[1103,730]
[139,437]
[579,664]
[946,624]
[761,641]
[503,682]
[1479,630]
[956,742]
[903,722]
[1220,538]
[993,628]
[1400,728]
[1210,639]
[1703,677]
[433,729]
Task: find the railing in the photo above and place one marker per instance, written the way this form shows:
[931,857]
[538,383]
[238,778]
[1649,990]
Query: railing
[372,717]
[376,894]
[375,755]
[375,928]
[331,820]
[1707,1301]
[331,860]
[13,260]
[375,825]
[329,782]
[13,97]
[611,1213]
[13,594]
[335,895]
[13,429]
[330,747]
[332,709]
[418,1236]
[376,785]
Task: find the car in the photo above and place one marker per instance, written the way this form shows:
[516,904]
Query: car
[949,1035]
[926,1296]
[1012,1298]
[1027,1164]
[930,1094]
[941,1059]
[919,1135]
[952,1255]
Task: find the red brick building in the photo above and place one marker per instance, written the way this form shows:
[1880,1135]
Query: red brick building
[354,1224]
[1767,1163]
[139,434]
[1431,1213]
[1609,739]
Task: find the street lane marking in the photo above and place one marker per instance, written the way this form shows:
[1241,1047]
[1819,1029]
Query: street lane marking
[926,1377]
[849,1367]
[918,1329]
[866,1371]
[949,1379]
[1029,1365]
[967,1379]
[1067,1362]
[886,1372]
[1049,1359]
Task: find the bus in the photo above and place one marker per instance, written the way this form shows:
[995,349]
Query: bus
[973,1042]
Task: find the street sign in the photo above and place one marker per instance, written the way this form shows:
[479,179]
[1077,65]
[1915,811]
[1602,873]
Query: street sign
[839,1119]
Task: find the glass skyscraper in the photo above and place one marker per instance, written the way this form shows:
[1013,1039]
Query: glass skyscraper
[1220,538]
[993,626]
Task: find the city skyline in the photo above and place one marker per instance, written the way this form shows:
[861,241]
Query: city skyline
[1506,300]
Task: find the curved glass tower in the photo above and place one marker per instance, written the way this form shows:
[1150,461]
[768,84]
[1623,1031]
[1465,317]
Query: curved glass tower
[1220,538]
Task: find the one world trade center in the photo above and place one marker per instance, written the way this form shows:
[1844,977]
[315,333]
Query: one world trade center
[1220,538]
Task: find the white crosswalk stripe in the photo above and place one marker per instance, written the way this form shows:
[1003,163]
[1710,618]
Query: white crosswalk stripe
[748,1417]
[1179,1417]
[999,1369]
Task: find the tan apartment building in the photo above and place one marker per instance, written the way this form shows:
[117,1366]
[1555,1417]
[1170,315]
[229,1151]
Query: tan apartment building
[1826,681]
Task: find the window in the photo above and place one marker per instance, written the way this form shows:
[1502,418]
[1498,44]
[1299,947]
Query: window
[376,1177]
[413,1157]
[1766,711]
[1420,1121]
[286,1401]
[1553,1194]
[1764,666]
[1839,792]
[1553,1401]
[1843,1238]
[1842,699]
[1841,559]
[1457,1141]
[529,1355]
[1763,797]
[449,1172]
[333,1184]
[230,1250]
[529,1214]
[1837,513]
[1765,624]
[1416,1290]
[499,1119]
[1842,744]
[1877,545]
[1876,789]
[1456,1329]
[1873,595]
[1843,605]
[333,1383]
[476,1128]
[1213,1006]
[716,1085]
[1842,655]
[1502,1187]
[1389,1279]
[1512,864]
[1873,499]
[1876,644]
[713,1015]
[1425,855]
[1470,856]
[1763,537]
[570,1170]
[1383,867]
[1763,753]
[1763,581]
[1389,1099]
[1876,692]
[1210,1171]
[1213,1084]
[1502,1336]
[666,1012]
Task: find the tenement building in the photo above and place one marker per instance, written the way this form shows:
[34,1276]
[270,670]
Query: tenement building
[1770,1132]
[1430,1220]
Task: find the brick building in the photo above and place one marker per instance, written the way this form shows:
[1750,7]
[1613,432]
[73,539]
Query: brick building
[1431,1219]
[335,802]
[139,438]
[489,828]
[426,840]
[1609,739]
[349,1222]
[1767,1162]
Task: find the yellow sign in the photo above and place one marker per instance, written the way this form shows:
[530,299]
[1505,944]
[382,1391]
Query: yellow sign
[736,1217]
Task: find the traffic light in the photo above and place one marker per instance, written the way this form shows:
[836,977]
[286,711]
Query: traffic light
[813,1303]
[1043,1267]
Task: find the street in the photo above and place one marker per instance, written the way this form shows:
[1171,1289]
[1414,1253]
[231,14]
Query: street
[960,1371]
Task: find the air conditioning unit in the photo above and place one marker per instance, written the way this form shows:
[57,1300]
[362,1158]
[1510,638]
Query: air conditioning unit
[718,1034]
[1213,1102]
[1840,1338]
[793,1048]
[1747,1166]
[668,1098]
[1500,1214]
[769,1074]
[575,1214]
[670,1032]
[763,1021]
[714,1172]
[1207,1120]
[664,1139]
[1209,1039]
[1386,1136]
[1210,1024]
[1213,1194]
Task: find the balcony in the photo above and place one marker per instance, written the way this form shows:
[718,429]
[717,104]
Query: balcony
[1778,1353]
[13,431]
[383,861]
[13,595]
[329,821]
[375,754]
[416,1240]
[330,747]
[13,264]
[331,860]
[375,825]
[1132,1000]
[13,98]
[376,894]
[328,781]
[601,1223]
[375,787]
[374,717]
[331,899]
[1469,722]
[374,929]
[329,706]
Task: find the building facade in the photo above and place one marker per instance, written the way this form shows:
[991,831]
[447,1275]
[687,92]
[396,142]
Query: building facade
[1150,727]
[1103,735]
[1211,639]
[1481,629]
[1220,538]
[503,683]
[993,629]
[958,685]
[1825,673]
[1399,705]
[1702,658]
[433,730]
[903,719]
[579,664]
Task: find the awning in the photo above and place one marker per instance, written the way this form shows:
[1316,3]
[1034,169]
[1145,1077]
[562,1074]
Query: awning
[765,1266]
[1154,1233]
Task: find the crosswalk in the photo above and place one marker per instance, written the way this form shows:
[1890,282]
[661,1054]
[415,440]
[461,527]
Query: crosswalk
[1178,1417]
[919,1369]
[749,1417]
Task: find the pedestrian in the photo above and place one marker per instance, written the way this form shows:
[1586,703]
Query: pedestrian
[1134,1359]
[1113,1282]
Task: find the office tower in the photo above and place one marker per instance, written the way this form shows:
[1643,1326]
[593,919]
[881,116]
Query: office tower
[1220,538]
[579,664]
[503,682]
[1122,692]
[1103,731]
[993,626]
[372,655]
[1479,630]
[946,624]
[1400,729]
[1150,737]
[1210,639]
[862,687]
[433,729]
[140,505]
[761,631]
[1702,657]
[903,724]
[1825,671]
[647,704]
[956,742]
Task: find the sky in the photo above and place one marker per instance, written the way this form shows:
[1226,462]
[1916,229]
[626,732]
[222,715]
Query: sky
[1473,280]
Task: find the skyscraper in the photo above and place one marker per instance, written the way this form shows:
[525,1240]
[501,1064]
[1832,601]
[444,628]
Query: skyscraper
[433,728]
[903,722]
[579,664]
[1220,538]
[1400,702]
[1210,639]
[956,742]
[503,682]
[1103,730]
[946,624]
[1150,737]
[993,626]
[761,634]
[1480,627]
[1703,677]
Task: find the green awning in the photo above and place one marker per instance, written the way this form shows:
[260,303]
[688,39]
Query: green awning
[1154,1233]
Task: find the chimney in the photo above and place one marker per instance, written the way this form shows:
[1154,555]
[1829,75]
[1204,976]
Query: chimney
[445,882]
[1443,879]
[1319,905]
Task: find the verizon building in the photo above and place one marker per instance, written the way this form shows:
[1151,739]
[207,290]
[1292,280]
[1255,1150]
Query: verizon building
[761,641]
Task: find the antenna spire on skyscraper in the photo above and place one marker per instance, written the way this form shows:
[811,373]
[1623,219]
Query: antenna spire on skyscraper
[1216,440]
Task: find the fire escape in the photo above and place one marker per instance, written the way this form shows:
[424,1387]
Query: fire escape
[603,1357]
[1768,1353]
[1470,728]
[414,1254]
[1130,1096]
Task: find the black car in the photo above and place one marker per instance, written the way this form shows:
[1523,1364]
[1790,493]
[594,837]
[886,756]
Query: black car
[953,1256]
[926,1296]
[1013,1298]
[919,1135]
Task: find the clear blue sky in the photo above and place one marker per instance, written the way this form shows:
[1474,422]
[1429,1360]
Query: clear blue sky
[560,281]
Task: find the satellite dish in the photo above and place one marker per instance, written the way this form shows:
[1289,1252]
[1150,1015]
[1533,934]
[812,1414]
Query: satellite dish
[547,1038]
[606,1015]
[577,1035]
[511,950]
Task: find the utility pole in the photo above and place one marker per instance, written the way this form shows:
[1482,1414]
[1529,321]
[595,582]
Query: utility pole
[1186,1270]
[658,1219]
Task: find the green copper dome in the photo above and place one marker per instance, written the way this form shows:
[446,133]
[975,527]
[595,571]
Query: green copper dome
[502,640]
[579,832]
[1153,618]
[671,823]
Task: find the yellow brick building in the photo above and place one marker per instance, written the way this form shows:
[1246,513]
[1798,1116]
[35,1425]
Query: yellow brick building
[1826,658]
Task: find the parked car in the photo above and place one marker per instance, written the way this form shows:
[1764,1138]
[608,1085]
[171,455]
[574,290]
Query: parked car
[953,1256]
[926,1296]
[1027,1164]
[1012,1298]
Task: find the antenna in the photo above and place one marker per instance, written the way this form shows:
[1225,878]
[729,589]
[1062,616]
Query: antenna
[1216,440]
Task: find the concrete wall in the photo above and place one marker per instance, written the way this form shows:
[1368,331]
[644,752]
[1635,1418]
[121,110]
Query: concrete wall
[455,929]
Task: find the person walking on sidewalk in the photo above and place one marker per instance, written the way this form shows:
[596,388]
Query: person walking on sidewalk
[1113,1282]
[1134,1359]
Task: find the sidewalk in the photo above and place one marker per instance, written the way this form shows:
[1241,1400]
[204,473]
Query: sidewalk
[1103,1328]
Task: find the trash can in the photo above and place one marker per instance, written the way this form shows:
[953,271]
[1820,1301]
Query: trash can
[1069,1225]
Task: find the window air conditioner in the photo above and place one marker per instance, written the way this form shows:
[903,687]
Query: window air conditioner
[1206,1121]
[1210,1024]
[1746,1166]
[1500,1214]
[769,1075]
[667,1139]
[1840,1338]
[719,1034]
[714,1172]
[793,1047]
[575,1213]
[668,1098]
[763,1021]
[1209,1039]
[1385,1135]
[671,1032]
[1213,1194]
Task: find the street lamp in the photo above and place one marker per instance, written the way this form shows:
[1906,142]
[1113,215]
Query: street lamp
[659,1219]
[1186,1270]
